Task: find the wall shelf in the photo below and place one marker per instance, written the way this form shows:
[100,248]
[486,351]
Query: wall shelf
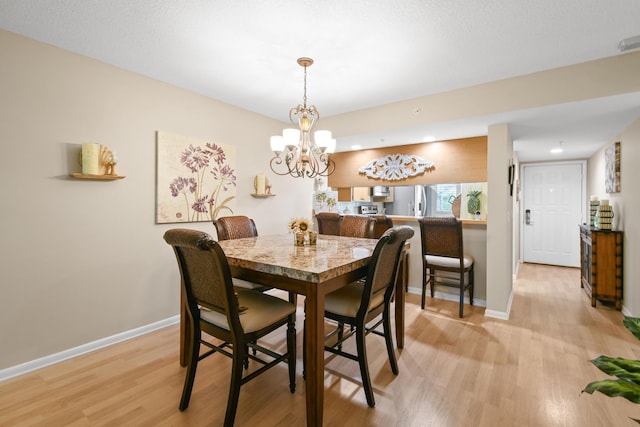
[97,177]
[261,196]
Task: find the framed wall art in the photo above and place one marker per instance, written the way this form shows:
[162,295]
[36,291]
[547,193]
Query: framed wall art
[612,165]
[195,179]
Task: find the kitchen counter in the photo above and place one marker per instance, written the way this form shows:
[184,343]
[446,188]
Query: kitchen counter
[415,218]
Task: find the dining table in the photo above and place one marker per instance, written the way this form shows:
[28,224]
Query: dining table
[312,271]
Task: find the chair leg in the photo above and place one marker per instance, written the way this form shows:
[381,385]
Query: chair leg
[291,350]
[194,351]
[239,355]
[432,282]
[424,287]
[388,338]
[461,309]
[340,334]
[293,298]
[471,285]
[364,366]
[246,359]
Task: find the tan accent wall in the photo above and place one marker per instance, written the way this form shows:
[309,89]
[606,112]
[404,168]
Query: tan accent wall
[456,160]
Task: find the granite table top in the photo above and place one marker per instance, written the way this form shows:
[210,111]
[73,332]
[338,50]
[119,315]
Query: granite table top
[332,256]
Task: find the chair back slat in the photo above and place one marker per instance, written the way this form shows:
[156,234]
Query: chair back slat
[357,226]
[328,223]
[235,227]
[383,223]
[205,273]
[441,236]
[381,276]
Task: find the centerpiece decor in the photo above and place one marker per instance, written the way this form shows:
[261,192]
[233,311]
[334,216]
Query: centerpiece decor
[473,204]
[300,227]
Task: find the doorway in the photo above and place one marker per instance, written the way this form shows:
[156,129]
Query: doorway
[553,205]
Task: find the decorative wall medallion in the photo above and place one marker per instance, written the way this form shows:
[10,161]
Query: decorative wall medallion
[395,167]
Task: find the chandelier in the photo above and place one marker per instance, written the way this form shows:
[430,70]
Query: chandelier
[296,153]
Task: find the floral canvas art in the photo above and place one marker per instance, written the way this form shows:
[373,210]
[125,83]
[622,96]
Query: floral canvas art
[196,179]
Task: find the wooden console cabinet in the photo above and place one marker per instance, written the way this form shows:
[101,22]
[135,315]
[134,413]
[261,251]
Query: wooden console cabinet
[601,264]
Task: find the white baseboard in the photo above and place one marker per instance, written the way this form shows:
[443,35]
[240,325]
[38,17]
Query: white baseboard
[503,315]
[23,368]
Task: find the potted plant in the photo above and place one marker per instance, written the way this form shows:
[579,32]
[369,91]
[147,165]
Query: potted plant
[627,371]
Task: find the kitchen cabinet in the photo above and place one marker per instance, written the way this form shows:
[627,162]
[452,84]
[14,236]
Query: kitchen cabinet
[386,199]
[361,194]
[601,264]
[344,194]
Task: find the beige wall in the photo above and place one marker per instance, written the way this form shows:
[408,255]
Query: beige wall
[499,223]
[84,260]
[81,260]
[625,205]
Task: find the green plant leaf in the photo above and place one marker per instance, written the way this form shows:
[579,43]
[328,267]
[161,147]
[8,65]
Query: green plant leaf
[613,388]
[633,325]
[625,369]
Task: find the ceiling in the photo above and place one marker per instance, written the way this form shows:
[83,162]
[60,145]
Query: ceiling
[367,53]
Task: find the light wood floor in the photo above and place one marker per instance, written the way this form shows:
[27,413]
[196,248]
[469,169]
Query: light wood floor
[477,371]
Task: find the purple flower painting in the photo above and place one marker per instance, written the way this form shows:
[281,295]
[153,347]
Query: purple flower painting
[196,179]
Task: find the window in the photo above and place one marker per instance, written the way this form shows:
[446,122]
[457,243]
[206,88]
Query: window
[442,195]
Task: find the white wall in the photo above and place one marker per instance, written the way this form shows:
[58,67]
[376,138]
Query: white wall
[84,260]
[625,205]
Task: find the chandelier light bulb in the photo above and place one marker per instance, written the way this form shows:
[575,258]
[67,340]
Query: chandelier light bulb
[291,137]
[277,143]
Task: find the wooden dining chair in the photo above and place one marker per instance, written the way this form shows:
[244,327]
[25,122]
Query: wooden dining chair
[238,227]
[357,226]
[383,223]
[362,302]
[328,223]
[443,259]
[235,227]
[238,317]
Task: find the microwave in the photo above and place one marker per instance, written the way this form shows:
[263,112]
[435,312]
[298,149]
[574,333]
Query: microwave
[380,191]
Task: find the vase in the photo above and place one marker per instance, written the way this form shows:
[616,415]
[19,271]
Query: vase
[313,237]
[299,238]
[604,216]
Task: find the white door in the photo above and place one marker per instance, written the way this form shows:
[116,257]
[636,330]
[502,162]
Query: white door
[552,208]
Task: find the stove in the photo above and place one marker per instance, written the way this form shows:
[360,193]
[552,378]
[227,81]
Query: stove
[368,210]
